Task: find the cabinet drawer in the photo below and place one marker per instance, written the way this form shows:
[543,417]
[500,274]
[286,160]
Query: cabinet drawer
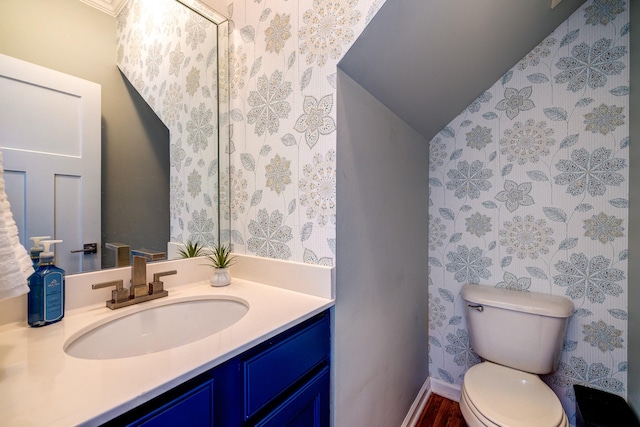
[275,368]
[307,407]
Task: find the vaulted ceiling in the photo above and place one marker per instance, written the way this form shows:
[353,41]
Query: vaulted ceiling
[427,60]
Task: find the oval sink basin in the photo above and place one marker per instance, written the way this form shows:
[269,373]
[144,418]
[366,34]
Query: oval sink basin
[156,328]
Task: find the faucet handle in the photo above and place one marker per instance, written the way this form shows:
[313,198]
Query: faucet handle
[157,276]
[157,286]
[119,294]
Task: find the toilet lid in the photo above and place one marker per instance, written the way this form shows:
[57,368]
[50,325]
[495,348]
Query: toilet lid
[513,398]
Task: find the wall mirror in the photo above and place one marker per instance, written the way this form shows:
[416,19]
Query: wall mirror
[164,118]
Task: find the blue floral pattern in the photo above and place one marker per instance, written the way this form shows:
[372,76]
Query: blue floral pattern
[605,337]
[479,137]
[603,11]
[527,142]
[477,224]
[515,195]
[460,347]
[530,193]
[270,236]
[469,179]
[477,104]
[436,233]
[469,265]
[590,172]
[511,281]
[269,103]
[526,237]
[578,371]
[589,278]
[603,228]
[437,154]
[604,119]
[590,65]
[516,101]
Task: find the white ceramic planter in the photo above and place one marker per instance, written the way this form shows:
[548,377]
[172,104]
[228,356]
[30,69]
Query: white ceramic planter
[221,277]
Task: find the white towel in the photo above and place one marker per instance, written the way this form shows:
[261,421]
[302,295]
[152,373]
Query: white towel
[15,264]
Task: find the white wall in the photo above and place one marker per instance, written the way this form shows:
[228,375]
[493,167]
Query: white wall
[380,336]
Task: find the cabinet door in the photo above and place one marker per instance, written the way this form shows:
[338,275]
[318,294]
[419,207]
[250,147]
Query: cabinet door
[51,142]
[194,409]
[283,362]
[307,407]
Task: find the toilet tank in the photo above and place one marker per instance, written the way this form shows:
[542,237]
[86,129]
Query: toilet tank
[518,329]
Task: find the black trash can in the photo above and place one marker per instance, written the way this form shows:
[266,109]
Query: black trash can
[597,408]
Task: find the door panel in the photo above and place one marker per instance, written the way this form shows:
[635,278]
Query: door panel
[50,135]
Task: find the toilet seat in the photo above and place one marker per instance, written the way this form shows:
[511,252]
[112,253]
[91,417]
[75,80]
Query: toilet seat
[494,395]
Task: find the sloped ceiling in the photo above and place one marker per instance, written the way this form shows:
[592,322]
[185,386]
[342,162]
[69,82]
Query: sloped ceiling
[427,60]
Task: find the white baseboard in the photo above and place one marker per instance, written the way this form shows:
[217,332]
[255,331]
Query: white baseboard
[413,416]
[450,391]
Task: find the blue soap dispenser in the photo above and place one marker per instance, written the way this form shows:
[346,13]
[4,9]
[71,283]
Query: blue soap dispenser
[36,250]
[45,300]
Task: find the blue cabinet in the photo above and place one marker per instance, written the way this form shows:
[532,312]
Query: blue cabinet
[193,408]
[308,406]
[276,366]
[283,381]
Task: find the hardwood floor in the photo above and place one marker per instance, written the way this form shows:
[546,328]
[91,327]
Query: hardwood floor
[441,412]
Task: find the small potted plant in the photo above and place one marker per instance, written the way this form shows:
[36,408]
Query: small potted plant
[191,250]
[221,260]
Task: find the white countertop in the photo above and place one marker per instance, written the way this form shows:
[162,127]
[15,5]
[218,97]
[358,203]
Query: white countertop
[40,385]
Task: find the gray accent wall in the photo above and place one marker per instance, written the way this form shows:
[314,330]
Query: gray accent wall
[77,39]
[380,336]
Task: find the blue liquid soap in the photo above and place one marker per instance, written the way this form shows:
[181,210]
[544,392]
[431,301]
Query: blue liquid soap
[46,297]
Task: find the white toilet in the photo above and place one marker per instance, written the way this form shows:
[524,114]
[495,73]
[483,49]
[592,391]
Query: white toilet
[518,335]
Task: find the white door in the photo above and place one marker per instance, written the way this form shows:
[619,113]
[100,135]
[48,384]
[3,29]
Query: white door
[50,136]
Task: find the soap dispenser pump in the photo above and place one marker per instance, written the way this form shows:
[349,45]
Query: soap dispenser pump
[36,250]
[46,297]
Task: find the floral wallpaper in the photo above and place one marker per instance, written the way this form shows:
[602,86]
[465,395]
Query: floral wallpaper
[529,190]
[282,58]
[169,54]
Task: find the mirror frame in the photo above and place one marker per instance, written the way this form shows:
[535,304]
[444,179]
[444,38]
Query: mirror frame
[224,131]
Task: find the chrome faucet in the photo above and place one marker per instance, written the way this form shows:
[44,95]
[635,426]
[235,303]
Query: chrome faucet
[139,291]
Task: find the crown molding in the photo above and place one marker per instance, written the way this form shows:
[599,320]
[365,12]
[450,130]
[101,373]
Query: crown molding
[110,7]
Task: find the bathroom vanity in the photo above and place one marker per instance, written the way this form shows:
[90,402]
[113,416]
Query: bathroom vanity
[270,367]
[283,381]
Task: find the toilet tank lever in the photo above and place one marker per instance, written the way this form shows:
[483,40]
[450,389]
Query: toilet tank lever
[476,307]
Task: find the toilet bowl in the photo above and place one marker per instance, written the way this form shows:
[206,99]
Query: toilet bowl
[495,395]
[519,335]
